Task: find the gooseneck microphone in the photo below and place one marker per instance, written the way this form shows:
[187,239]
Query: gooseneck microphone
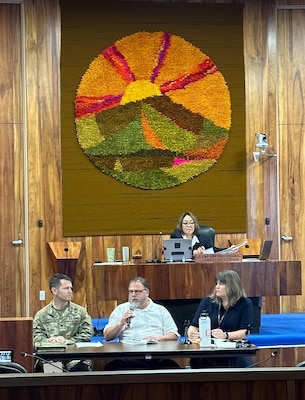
[156,259]
[128,320]
[273,354]
[23,354]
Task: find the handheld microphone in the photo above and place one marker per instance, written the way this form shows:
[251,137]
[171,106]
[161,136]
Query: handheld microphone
[23,354]
[128,320]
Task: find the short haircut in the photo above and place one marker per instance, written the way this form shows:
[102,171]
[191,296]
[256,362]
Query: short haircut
[56,278]
[143,281]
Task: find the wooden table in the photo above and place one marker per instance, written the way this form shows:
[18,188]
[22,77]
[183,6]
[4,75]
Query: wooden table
[168,349]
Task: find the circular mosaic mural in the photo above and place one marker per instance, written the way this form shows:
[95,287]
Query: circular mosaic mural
[153,111]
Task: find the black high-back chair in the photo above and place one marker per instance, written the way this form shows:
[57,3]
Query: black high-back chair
[208,234]
[11,368]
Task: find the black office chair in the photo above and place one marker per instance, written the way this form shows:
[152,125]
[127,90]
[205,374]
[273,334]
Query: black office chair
[208,233]
[8,367]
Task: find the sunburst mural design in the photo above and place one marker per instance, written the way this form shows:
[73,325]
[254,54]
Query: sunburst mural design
[153,111]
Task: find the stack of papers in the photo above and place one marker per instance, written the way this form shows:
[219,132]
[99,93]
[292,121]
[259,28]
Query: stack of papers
[80,345]
[135,342]
[224,344]
[233,248]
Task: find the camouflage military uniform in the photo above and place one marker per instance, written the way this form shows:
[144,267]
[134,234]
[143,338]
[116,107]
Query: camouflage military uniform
[74,323]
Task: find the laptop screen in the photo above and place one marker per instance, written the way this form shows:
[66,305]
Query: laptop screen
[6,355]
[177,250]
[265,250]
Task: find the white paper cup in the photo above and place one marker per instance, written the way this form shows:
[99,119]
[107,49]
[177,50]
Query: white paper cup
[125,254]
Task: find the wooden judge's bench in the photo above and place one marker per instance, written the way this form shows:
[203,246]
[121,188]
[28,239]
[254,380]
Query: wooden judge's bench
[180,286]
[195,280]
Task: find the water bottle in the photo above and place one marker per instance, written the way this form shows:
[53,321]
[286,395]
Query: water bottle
[205,329]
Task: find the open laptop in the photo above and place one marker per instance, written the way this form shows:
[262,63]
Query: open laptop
[264,252]
[177,250]
[6,355]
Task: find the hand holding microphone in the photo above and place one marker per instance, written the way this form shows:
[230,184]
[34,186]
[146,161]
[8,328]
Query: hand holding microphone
[128,319]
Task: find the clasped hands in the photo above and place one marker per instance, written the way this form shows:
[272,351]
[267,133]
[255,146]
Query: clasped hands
[57,339]
[194,336]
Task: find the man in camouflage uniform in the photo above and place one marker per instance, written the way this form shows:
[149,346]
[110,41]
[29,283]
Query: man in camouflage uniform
[63,321]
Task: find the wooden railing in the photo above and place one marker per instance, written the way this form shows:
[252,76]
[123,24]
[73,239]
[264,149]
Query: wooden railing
[229,384]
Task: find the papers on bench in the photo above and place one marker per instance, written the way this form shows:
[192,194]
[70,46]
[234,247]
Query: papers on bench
[226,255]
[233,248]
[96,264]
[81,345]
[136,342]
[224,344]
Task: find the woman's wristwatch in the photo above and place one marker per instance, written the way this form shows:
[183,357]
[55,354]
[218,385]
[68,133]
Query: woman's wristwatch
[227,335]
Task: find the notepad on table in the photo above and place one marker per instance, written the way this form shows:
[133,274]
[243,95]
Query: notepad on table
[51,346]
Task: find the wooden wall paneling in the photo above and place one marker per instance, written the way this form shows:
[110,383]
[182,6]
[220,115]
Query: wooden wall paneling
[259,19]
[138,243]
[270,164]
[262,118]
[42,48]
[285,356]
[13,282]
[44,152]
[254,53]
[291,77]
[16,334]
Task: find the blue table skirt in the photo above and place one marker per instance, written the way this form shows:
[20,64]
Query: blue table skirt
[275,330]
[280,329]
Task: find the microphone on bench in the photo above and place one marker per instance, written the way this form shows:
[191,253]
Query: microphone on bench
[273,354]
[24,354]
[156,259]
